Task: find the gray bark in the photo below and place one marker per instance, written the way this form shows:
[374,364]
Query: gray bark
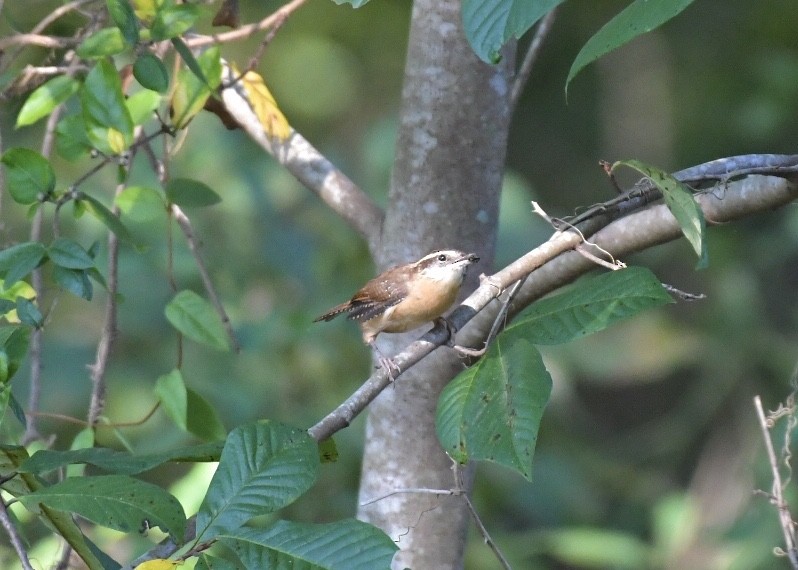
[444,194]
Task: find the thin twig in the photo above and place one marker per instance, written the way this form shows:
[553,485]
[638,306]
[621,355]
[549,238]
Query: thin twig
[522,77]
[777,497]
[13,536]
[498,323]
[188,232]
[246,31]
[51,42]
[485,534]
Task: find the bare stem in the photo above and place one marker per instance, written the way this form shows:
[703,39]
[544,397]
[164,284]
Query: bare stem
[13,535]
[531,57]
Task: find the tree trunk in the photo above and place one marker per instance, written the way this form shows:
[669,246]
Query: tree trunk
[444,194]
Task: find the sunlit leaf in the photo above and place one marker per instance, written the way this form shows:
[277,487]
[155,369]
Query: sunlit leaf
[191,92]
[114,501]
[142,106]
[102,43]
[141,204]
[265,107]
[45,98]
[171,391]
[104,109]
[172,20]
[638,18]
[264,467]
[29,176]
[197,319]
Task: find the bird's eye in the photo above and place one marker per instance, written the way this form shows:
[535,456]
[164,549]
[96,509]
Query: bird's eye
[442,257]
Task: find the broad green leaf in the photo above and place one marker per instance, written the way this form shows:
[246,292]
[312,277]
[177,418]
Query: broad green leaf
[75,281]
[19,260]
[45,98]
[680,201]
[207,562]
[142,106]
[141,204]
[19,413]
[286,544]
[71,140]
[492,410]
[191,92]
[119,462]
[202,420]
[638,18]
[264,467]
[28,313]
[191,62]
[591,305]
[102,43]
[172,20]
[4,365]
[188,193]
[114,501]
[15,340]
[29,176]
[122,14]
[171,391]
[104,111]
[197,319]
[106,216]
[11,457]
[70,254]
[489,24]
[5,389]
[6,305]
[150,72]
[84,440]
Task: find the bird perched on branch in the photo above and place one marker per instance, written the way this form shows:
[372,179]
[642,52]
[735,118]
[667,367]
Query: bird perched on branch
[405,297]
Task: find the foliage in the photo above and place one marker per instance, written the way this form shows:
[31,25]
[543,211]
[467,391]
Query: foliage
[491,412]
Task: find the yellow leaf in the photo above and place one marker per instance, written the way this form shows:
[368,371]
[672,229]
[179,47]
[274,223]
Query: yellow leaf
[18,289]
[116,141]
[265,107]
[145,9]
[158,564]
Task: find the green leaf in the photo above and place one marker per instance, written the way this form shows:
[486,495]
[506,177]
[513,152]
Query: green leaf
[108,123]
[197,319]
[29,176]
[83,440]
[119,462]
[596,548]
[489,24]
[70,254]
[681,202]
[15,340]
[75,281]
[71,140]
[264,467]
[123,16]
[19,260]
[286,544]
[106,216]
[171,391]
[141,204]
[188,193]
[591,305]
[114,501]
[173,20]
[492,410]
[142,106]
[151,73]
[28,313]
[207,562]
[638,18]
[102,43]
[194,85]
[202,420]
[6,306]
[45,98]
[19,413]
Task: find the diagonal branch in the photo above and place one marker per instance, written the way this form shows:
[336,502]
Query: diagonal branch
[552,265]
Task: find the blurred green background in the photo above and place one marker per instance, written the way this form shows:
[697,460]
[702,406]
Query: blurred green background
[649,450]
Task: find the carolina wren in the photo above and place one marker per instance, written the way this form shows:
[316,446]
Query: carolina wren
[406,296]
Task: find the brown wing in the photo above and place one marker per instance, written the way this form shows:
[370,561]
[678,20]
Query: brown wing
[376,296]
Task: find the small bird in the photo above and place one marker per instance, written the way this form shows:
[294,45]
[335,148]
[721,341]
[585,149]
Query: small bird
[405,297]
